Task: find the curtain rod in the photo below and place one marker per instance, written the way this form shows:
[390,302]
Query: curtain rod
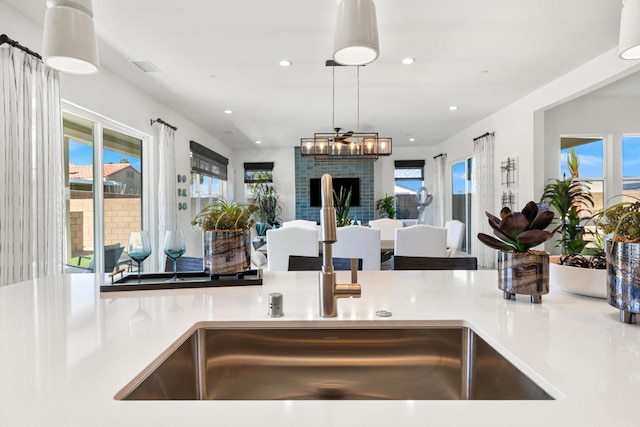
[5,39]
[486,134]
[439,155]
[159,120]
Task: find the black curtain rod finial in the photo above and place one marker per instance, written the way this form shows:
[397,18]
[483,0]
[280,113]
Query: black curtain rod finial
[439,155]
[486,134]
[5,39]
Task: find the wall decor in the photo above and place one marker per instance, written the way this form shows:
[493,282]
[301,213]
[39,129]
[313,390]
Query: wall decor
[509,172]
[509,199]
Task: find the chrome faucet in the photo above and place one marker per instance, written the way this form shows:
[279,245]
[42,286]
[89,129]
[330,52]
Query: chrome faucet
[329,290]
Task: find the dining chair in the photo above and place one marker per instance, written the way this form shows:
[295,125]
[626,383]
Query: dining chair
[185,263]
[359,242]
[455,234]
[303,223]
[433,263]
[112,255]
[387,227]
[285,241]
[421,240]
[308,263]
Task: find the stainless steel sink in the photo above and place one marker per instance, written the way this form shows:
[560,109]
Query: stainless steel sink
[332,363]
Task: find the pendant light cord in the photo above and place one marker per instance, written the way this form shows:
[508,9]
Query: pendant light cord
[358,101]
[333,101]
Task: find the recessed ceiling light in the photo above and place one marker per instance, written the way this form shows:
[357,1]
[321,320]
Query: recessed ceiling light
[228,111]
[412,139]
[453,108]
[285,63]
[258,142]
[408,61]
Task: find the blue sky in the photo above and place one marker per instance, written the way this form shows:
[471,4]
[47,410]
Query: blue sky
[82,155]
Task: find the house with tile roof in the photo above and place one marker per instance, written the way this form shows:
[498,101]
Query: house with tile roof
[119,178]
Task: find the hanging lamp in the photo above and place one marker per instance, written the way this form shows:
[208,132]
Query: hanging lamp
[629,46]
[70,43]
[356,33]
[349,146]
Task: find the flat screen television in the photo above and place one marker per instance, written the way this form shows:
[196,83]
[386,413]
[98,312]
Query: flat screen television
[315,193]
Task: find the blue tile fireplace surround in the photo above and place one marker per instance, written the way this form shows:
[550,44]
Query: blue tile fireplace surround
[307,168]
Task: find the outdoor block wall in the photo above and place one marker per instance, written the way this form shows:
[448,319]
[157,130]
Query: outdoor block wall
[307,168]
[121,217]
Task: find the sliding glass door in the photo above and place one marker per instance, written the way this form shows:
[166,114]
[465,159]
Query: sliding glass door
[461,197]
[103,179]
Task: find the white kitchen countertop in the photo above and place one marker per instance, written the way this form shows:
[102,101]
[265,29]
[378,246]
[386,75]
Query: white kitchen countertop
[66,350]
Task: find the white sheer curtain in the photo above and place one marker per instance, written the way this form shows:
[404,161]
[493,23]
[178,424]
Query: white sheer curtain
[483,176]
[32,207]
[438,190]
[167,187]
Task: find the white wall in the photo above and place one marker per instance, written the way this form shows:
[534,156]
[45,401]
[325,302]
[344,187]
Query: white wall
[519,128]
[109,95]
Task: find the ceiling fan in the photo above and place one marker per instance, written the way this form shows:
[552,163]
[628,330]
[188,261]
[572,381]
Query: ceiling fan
[341,137]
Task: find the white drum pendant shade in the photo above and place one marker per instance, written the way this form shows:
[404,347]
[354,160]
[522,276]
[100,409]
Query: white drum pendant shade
[70,43]
[629,46]
[356,35]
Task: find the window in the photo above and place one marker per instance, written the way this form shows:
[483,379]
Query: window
[208,176]
[256,173]
[409,177]
[631,166]
[590,167]
[461,197]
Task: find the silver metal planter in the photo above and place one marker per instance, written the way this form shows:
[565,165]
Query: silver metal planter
[524,274]
[623,278]
[227,251]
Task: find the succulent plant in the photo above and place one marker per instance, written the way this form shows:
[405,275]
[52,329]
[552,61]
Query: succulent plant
[622,221]
[223,215]
[519,231]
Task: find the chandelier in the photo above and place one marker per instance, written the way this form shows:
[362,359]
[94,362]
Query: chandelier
[347,146]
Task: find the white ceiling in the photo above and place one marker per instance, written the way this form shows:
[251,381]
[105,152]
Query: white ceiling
[480,55]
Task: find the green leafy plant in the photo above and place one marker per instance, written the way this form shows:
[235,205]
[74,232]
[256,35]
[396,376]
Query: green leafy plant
[386,206]
[570,199]
[573,162]
[223,215]
[342,202]
[267,200]
[519,231]
[621,221]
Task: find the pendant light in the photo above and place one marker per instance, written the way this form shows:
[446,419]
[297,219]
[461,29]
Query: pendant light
[629,46]
[70,43]
[356,34]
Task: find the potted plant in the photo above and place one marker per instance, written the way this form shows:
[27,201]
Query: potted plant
[269,207]
[386,207]
[570,199]
[621,223]
[226,236]
[342,202]
[521,270]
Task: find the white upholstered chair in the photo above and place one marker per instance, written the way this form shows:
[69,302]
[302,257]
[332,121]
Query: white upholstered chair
[285,241]
[455,235]
[359,242]
[421,240]
[303,223]
[386,226]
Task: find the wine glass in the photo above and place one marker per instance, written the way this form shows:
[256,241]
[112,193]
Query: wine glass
[139,248]
[174,247]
